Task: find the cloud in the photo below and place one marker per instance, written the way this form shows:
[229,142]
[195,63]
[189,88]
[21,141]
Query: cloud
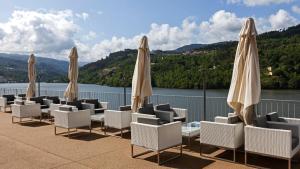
[258,2]
[49,32]
[282,19]
[296,9]
[53,33]
[99,12]
[84,16]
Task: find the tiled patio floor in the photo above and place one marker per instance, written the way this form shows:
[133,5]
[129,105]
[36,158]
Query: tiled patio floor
[34,145]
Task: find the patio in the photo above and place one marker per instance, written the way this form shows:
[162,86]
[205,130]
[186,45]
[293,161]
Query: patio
[34,145]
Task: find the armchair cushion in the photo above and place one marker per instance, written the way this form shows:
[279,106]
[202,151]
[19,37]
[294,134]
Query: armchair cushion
[152,121]
[100,110]
[125,108]
[77,103]
[166,116]
[19,102]
[9,97]
[94,102]
[261,122]
[274,117]
[182,119]
[146,110]
[163,107]
[233,120]
[295,142]
[54,99]
[37,100]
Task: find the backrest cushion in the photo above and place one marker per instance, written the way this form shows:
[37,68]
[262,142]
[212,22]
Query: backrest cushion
[233,120]
[65,108]
[94,102]
[37,100]
[146,110]
[125,108]
[163,107]
[9,97]
[261,122]
[272,116]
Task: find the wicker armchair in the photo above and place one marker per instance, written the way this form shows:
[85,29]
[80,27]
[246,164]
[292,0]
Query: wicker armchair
[25,111]
[6,101]
[274,139]
[156,138]
[225,132]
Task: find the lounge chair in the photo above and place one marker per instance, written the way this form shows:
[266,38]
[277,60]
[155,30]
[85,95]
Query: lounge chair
[6,101]
[118,119]
[68,118]
[155,137]
[276,138]
[21,109]
[225,132]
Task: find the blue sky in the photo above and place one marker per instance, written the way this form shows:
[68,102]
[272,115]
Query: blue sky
[97,27]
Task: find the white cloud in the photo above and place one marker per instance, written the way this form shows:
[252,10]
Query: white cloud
[296,9]
[53,33]
[84,16]
[282,19]
[259,2]
[43,32]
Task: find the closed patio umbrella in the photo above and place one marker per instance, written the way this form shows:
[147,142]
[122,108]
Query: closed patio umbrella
[141,80]
[245,87]
[31,77]
[71,92]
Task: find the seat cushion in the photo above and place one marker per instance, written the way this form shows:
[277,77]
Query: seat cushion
[146,110]
[37,100]
[19,102]
[182,119]
[76,104]
[234,120]
[44,107]
[9,97]
[163,107]
[94,102]
[100,110]
[295,142]
[125,108]
[54,99]
[260,122]
[152,121]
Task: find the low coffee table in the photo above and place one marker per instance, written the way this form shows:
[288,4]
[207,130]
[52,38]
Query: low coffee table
[190,130]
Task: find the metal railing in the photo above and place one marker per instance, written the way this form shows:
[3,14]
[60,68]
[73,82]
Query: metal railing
[215,106]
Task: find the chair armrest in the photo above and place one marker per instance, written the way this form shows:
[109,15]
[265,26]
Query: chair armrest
[32,110]
[3,101]
[181,112]
[165,115]
[220,119]
[75,119]
[292,120]
[274,142]
[222,134]
[54,107]
[135,116]
[294,128]
[169,135]
[104,105]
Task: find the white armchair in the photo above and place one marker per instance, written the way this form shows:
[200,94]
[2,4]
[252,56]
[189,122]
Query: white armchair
[6,101]
[222,134]
[72,120]
[117,119]
[25,111]
[156,138]
[279,140]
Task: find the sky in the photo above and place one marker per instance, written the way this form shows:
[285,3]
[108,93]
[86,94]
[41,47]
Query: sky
[50,28]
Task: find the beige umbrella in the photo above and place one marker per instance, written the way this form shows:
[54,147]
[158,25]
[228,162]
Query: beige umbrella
[141,80]
[245,87]
[31,77]
[71,92]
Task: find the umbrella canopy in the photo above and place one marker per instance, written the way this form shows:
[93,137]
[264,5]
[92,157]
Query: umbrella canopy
[141,80]
[71,92]
[31,77]
[245,86]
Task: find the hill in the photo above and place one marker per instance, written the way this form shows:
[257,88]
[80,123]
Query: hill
[13,68]
[279,51]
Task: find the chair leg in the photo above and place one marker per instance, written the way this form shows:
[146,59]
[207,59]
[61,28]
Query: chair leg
[234,151]
[132,150]
[20,119]
[245,157]
[122,133]
[158,153]
[180,149]
[105,130]
[200,150]
[12,119]
[68,132]
[90,129]
[55,130]
[290,163]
